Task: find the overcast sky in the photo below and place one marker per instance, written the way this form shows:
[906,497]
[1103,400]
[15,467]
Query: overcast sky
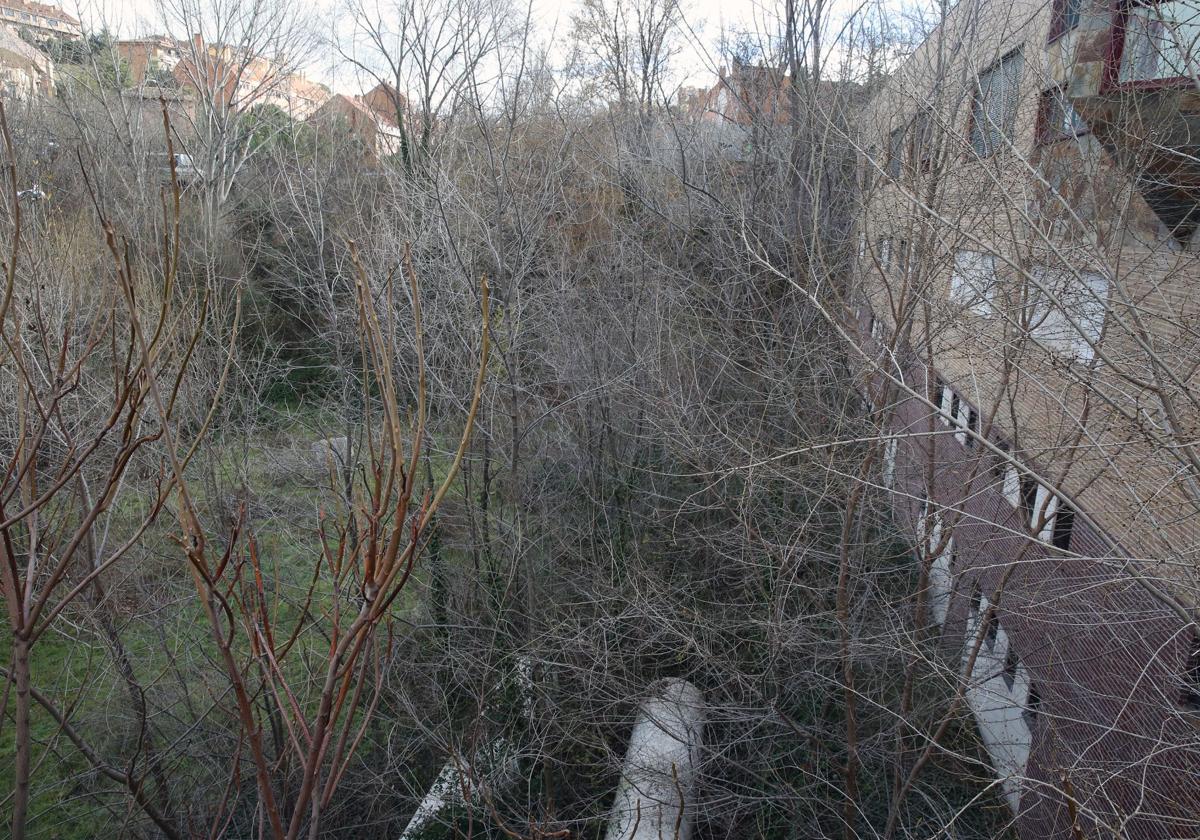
[707,19]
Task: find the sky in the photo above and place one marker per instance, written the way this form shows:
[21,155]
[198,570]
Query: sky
[706,19]
[126,14]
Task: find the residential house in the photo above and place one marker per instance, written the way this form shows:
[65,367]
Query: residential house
[744,94]
[1027,250]
[384,99]
[692,100]
[372,119]
[749,103]
[298,96]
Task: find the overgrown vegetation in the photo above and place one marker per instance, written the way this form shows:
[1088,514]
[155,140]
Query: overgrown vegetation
[261,618]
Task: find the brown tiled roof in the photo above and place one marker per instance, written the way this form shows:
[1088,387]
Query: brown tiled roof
[359,105]
[352,101]
[384,101]
[307,88]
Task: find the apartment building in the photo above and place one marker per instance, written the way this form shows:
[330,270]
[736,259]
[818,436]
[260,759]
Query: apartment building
[743,94]
[153,55]
[228,77]
[39,19]
[1028,257]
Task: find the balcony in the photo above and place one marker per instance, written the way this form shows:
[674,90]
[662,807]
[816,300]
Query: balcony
[1156,44]
[1133,78]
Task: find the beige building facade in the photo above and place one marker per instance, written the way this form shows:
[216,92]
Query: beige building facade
[25,71]
[1027,252]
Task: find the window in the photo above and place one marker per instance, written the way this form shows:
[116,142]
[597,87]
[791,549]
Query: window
[1191,677]
[973,280]
[902,254]
[1011,489]
[941,558]
[954,411]
[1028,498]
[921,153]
[868,180]
[994,105]
[1068,309]
[895,159]
[931,519]
[992,631]
[890,447]
[1159,41]
[877,332]
[1065,17]
[1045,509]
[977,609]
[885,252]
[1064,524]
[962,420]
[946,403]
[1010,668]
[1033,705]
[868,399]
[972,427]
[1000,461]
[1048,515]
[941,581]
[1057,120]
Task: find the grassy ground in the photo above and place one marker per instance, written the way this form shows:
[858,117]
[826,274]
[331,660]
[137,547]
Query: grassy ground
[162,625]
[169,641]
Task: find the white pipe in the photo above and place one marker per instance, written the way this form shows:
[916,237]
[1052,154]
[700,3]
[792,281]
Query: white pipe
[656,793]
[494,768]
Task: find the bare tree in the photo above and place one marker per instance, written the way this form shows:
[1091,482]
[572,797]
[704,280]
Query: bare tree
[82,367]
[630,45]
[235,56]
[428,54]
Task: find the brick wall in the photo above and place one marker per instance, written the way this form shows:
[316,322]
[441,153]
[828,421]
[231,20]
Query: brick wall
[1105,658]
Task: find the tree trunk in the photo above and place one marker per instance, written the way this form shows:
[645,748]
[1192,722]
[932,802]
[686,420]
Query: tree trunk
[24,737]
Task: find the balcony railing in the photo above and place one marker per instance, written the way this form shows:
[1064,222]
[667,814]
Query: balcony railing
[1156,43]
